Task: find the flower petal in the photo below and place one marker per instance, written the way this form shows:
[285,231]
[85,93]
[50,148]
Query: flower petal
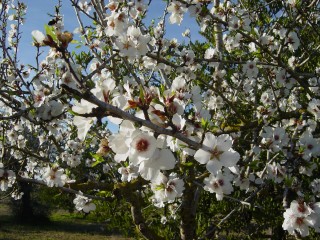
[229,158]
[202,156]
[214,166]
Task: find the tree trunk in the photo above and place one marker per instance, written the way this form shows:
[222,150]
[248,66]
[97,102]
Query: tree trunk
[25,212]
[188,213]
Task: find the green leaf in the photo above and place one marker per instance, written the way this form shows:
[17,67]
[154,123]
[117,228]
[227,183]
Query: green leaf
[183,146]
[67,172]
[204,123]
[51,32]
[288,181]
[157,101]
[162,89]
[254,164]
[57,71]
[103,193]
[187,164]
[160,187]
[141,94]
[73,113]
[98,159]
[57,196]
[90,84]
[74,41]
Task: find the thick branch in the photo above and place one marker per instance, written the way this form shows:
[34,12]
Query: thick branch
[188,213]
[128,191]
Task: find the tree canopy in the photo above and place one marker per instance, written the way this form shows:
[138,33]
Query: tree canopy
[201,137]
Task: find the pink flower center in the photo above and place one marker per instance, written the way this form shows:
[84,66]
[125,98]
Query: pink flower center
[299,221]
[301,208]
[142,145]
[220,181]
[126,45]
[215,153]
[112,24]
[121,17]
[310,146]
[290,40]
[112,7]
[170,188]
[38,98]
[172,108]
[4,176]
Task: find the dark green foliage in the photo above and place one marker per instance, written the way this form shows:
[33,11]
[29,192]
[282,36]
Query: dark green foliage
[115,217]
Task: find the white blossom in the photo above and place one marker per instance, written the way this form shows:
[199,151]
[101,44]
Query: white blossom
[217,152]
[83,203]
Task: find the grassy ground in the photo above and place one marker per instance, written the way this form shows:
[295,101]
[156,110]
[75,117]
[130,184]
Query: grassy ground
[62,226]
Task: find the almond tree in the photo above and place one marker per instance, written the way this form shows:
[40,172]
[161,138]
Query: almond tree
[235,114]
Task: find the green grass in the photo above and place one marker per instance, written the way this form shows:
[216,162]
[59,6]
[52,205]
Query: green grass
[61,226]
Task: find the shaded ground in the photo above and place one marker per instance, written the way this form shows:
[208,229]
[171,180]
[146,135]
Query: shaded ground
[62,226]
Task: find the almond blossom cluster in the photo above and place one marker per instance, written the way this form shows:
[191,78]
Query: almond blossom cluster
[228,116]
[300,216]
